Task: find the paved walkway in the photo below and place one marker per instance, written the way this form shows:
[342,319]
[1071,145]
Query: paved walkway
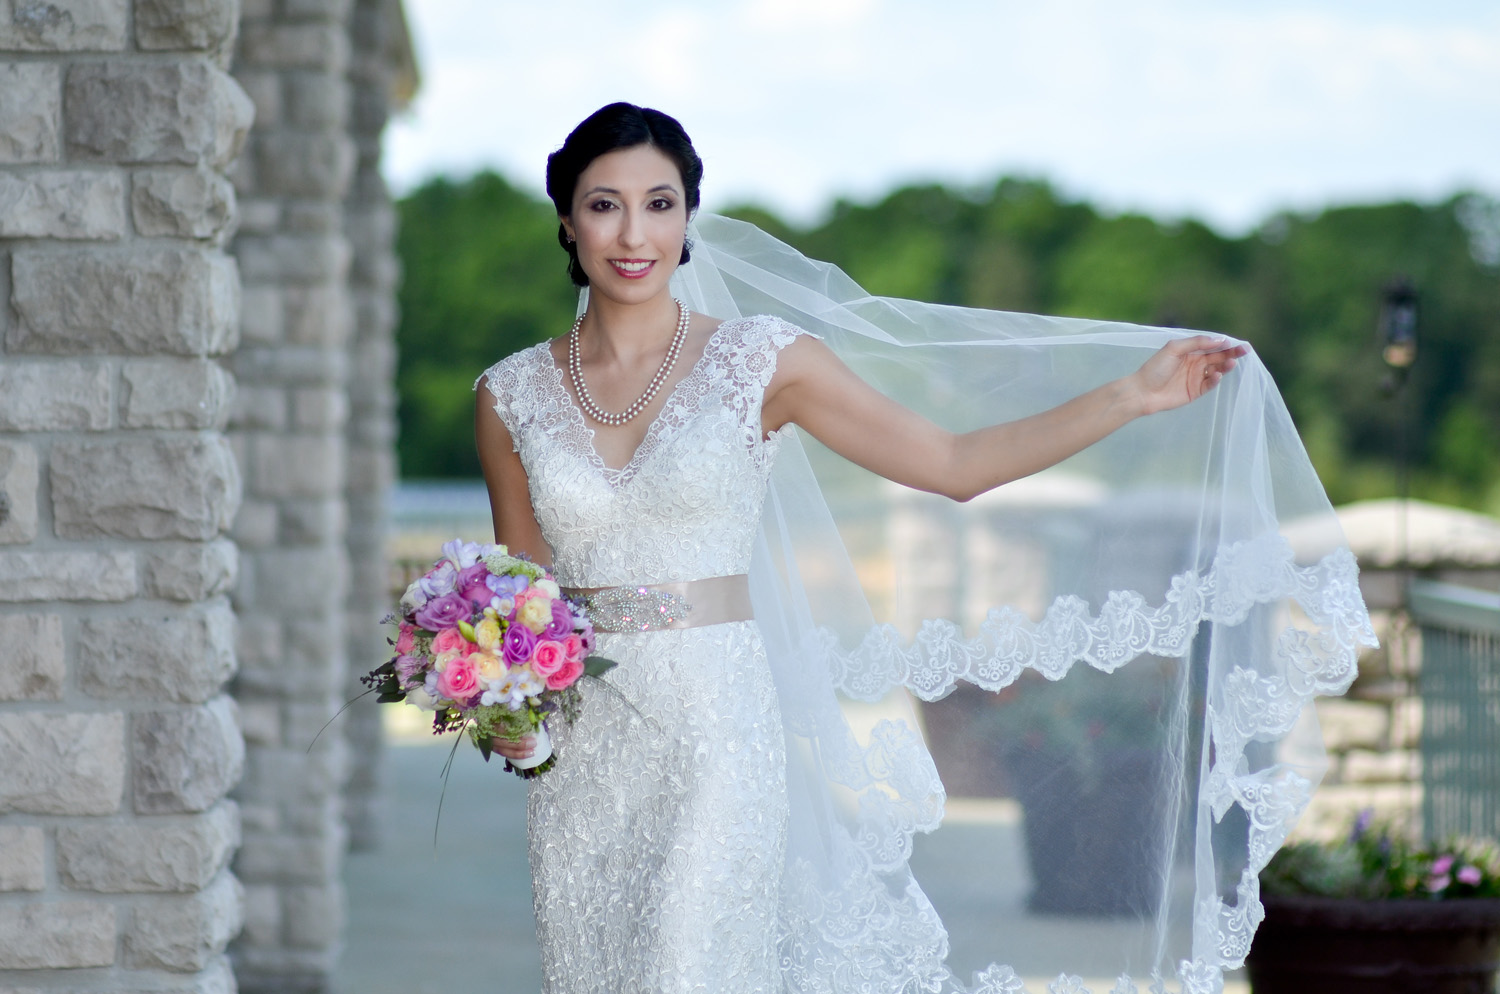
[458,917]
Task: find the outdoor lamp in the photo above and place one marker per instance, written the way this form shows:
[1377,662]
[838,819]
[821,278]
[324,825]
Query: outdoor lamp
[1398,324]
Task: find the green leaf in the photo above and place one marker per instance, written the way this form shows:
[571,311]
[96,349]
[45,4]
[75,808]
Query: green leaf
[395,697]
[386,669]
[484,748]
[597,666]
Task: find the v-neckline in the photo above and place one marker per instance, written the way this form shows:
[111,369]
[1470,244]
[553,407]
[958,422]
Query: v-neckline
[616,476]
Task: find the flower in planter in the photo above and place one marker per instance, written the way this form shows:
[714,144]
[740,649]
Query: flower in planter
[1376,862]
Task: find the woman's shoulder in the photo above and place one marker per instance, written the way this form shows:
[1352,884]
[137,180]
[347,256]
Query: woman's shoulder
[758,331]
[516,368]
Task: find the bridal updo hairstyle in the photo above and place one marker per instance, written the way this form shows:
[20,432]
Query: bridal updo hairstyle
[607,129]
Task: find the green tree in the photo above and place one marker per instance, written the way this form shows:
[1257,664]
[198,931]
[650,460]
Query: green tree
[483,276]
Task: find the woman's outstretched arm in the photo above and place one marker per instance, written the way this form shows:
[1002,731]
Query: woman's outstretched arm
[815,390]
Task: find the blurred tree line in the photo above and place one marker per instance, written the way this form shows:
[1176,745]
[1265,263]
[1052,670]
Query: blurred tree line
[484,277]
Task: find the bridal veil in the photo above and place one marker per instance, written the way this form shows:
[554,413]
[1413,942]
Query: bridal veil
[1130,640]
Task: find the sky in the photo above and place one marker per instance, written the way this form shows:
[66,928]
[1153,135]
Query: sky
[1224,110]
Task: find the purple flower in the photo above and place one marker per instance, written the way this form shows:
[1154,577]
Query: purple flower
[473,583]
[518,644]
[439,581]
[1470,875]
[1437,884]
[462,554]
[561,625]
[1442,865]
[443,612]
[407,668]
[507,586]
[1362,824]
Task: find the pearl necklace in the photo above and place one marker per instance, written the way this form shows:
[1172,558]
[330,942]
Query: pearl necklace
[593,410]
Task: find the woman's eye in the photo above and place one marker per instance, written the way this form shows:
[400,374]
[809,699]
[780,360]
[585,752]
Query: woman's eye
[662,204]
[600,206]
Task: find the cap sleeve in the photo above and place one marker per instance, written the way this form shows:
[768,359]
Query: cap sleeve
[511,386]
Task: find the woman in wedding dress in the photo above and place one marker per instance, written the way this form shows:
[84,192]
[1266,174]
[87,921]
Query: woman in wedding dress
[632,456]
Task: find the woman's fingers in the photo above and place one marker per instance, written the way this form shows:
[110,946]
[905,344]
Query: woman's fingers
[521,748]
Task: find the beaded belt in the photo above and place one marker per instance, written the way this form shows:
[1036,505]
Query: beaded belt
[651,607]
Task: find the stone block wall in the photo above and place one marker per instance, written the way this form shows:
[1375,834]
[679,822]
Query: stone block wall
[370,437]
[184,305]
[118,745]
[288,431]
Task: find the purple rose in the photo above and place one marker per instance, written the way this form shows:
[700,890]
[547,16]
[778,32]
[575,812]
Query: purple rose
[444,612]
[561,625]
[518,644]
[472,584]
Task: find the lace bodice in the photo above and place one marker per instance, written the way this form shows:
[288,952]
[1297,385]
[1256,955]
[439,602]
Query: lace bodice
[688,503]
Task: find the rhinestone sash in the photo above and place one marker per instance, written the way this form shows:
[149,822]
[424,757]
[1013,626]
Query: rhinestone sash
[651,607]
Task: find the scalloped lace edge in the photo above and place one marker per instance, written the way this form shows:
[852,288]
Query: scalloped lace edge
[1254,706]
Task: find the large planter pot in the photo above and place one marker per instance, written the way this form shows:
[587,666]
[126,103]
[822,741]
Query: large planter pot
[1338,946]
[1090,841]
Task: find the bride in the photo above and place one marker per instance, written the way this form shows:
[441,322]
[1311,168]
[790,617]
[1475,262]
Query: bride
[688,838]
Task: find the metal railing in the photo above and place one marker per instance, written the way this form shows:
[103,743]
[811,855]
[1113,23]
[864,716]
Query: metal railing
[1460,686]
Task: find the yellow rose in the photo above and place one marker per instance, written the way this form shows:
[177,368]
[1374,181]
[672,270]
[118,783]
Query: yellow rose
[487,634]
[441,660]
[536,614]
[488,666]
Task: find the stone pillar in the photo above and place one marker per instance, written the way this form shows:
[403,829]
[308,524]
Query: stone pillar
[117,122]
[370,224]
[288,429]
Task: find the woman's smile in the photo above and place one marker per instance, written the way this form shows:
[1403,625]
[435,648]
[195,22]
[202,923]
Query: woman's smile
[632,269]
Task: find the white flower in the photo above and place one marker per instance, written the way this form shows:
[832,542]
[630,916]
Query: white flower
[414,599]
[529,684]
[418,697]
[549,588]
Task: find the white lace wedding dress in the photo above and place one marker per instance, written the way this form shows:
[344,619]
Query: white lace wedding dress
[658,841]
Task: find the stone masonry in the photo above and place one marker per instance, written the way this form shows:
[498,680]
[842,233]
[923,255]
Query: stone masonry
[186,478]
[118,745]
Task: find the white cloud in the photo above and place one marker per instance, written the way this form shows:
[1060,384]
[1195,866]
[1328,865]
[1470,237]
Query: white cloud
[1226,110]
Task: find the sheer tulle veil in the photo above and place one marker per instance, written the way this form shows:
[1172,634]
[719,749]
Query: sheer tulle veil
[1134,636]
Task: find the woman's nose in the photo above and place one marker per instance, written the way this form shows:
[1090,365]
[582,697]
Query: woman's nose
[632,229]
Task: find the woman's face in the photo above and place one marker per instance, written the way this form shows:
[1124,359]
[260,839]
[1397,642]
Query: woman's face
[629,220]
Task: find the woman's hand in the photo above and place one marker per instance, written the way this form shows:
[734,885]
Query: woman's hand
[1183,370]
[522,748]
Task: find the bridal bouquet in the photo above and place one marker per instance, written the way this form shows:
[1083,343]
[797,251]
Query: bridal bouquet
[487,642]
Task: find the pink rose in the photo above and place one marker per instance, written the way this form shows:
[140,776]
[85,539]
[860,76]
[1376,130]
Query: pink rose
[450,639]
[1470,875]
[567,674]
[406,639]
[547,658]
[573,649]
[458,682]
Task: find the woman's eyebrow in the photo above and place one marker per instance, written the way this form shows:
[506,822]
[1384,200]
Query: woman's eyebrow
[611,190]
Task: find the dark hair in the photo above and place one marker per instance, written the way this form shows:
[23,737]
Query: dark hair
[608,129]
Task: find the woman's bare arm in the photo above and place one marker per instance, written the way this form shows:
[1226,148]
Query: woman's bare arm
[815,390]
[505,478]
[510,506]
